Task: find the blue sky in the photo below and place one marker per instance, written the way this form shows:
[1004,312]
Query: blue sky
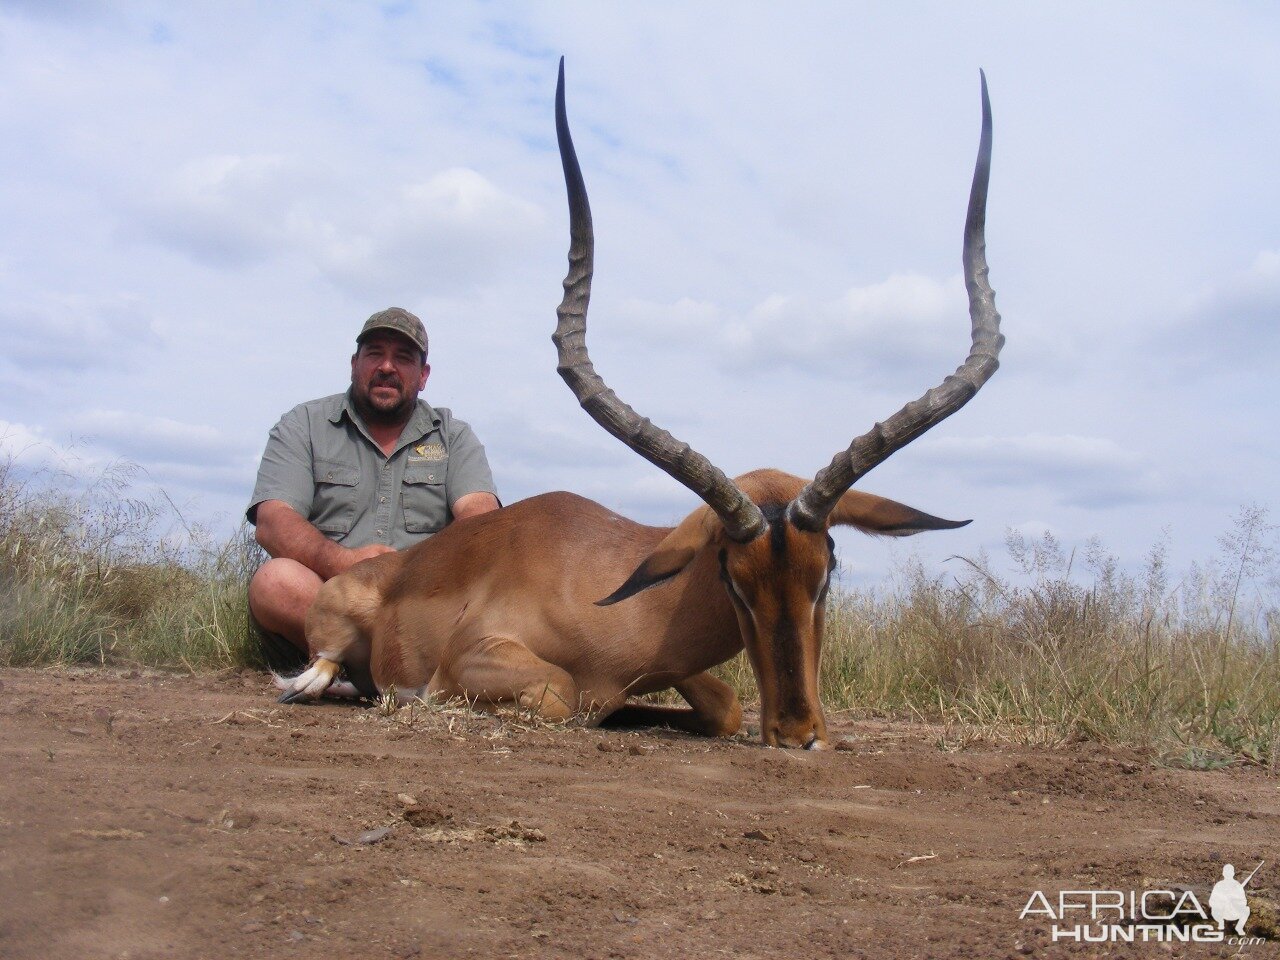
[200,203]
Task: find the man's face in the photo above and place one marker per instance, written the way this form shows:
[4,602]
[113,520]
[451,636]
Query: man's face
[387,374]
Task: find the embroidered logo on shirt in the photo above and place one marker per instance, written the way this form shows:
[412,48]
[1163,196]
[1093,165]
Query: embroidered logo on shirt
[431,451]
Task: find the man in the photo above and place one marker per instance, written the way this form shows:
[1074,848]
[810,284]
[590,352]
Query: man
[355,475]
[1227,900]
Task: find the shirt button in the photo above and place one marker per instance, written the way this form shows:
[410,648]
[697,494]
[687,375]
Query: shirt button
[380,533]
[431,476]
[382,499]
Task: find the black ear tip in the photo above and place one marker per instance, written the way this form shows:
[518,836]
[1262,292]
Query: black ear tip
[635,583]
[929,522]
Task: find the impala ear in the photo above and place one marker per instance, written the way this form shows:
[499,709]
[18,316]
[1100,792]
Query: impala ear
[670,556]
[886,518]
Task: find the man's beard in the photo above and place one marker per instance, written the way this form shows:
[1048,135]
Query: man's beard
[374,412]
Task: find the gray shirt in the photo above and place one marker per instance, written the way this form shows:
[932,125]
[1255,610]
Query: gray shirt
[321,461]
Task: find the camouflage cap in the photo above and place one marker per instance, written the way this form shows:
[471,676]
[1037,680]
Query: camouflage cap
[398,321]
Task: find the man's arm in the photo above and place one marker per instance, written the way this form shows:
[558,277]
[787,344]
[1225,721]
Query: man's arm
[471,491]
[283,532]
[474,504]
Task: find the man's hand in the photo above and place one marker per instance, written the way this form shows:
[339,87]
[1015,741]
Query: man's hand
[283,532]
[365,553]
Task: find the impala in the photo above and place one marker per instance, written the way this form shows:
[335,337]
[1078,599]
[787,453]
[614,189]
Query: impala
[566,608]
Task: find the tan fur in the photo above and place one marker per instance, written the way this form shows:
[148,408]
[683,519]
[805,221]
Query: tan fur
[501,608]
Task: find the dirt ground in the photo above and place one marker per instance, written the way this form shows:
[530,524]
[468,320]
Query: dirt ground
[171,816]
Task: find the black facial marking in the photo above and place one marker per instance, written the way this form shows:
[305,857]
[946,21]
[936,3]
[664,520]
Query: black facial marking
[728,580]
[785,651]
[831,567]
[787,659]
[778,540]
[776,516]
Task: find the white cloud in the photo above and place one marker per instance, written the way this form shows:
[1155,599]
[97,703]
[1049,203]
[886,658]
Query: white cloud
[1234,328]
[666,324]
[1083,471]
[17,440]
[31,451]
[448,232]
[55,9]
[224,211]
[155,439]
[653,498]
[72,331]
[884,332]
[451,231]
[905,328]
[219,486]
[547,447]
[205,488]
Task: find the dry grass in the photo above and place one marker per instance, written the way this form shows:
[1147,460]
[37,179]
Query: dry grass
[99,576]
[1064,648]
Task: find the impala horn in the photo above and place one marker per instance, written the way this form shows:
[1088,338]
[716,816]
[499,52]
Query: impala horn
[742,519]
[809,510]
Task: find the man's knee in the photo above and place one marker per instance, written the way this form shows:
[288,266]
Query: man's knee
[281,584]
[282,577]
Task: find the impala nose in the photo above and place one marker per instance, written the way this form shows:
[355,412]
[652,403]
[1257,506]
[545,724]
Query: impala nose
[806,736]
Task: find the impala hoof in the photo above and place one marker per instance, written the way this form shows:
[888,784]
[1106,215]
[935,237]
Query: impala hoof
[309,684]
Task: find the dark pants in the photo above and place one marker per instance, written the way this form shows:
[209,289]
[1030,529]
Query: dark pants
[281,656]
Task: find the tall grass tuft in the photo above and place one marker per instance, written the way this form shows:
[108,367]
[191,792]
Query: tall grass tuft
[91,574]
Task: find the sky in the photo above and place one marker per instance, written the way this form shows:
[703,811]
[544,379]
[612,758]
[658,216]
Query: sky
[200,203]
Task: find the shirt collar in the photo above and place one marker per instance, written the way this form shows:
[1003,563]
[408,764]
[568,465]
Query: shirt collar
[422,421]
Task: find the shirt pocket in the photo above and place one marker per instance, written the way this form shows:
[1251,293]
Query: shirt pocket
[423,497]
[333,510]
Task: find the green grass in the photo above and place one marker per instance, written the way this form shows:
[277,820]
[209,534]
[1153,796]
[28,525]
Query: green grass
[1063,649]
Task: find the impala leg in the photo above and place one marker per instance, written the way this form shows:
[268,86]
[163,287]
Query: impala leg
[503,670]
[714,710]
[715,706]
[336,636]
[312,682]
